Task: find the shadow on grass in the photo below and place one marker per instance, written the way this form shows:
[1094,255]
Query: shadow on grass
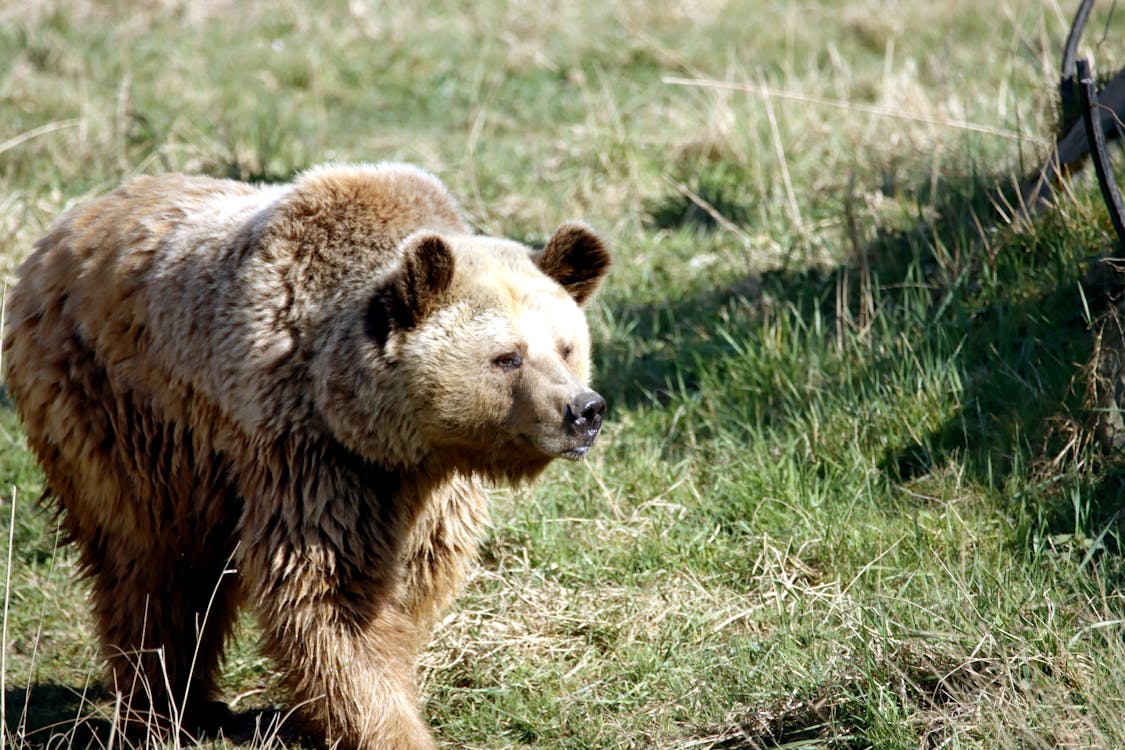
[676,342]
[1016,305]
[59,716]
[47,716]
[1026,312]
[1014,309]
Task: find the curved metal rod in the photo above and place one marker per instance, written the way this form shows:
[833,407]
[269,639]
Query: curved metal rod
[1070,51]
[1096,138]
[1068,84]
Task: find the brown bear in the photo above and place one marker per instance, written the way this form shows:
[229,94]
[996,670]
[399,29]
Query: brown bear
[290,397]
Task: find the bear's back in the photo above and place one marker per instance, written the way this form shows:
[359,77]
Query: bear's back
[173,285]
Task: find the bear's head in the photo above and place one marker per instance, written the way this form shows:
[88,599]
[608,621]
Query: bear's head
[472,353]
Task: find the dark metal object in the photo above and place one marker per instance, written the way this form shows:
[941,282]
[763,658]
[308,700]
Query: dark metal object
[1068,84]
[1096,136]
[1086,126]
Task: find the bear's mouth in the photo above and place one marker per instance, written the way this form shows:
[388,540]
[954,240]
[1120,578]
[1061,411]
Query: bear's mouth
[577,453]
[585,443]
[559,449]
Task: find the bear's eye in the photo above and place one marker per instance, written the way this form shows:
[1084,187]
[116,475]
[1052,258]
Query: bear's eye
[508,361]
[566,351]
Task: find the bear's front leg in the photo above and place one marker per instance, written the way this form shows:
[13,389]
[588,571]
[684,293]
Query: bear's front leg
[351,676]
[441,550]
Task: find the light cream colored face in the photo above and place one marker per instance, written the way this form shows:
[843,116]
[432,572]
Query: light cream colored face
[507,363]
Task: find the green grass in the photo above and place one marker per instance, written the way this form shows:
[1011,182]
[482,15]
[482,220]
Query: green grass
[848,494]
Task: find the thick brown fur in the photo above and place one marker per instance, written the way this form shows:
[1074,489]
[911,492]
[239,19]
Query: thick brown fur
[288,397]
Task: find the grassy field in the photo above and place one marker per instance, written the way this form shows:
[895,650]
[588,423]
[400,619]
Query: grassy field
[849,494]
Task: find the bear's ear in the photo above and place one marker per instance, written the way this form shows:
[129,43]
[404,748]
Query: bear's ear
[426,274]
[576,258]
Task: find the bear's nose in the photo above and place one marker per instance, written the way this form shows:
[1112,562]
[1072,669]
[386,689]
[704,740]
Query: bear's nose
[584,415]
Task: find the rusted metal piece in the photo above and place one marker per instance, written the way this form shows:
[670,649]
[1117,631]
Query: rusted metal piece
[1096,136]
